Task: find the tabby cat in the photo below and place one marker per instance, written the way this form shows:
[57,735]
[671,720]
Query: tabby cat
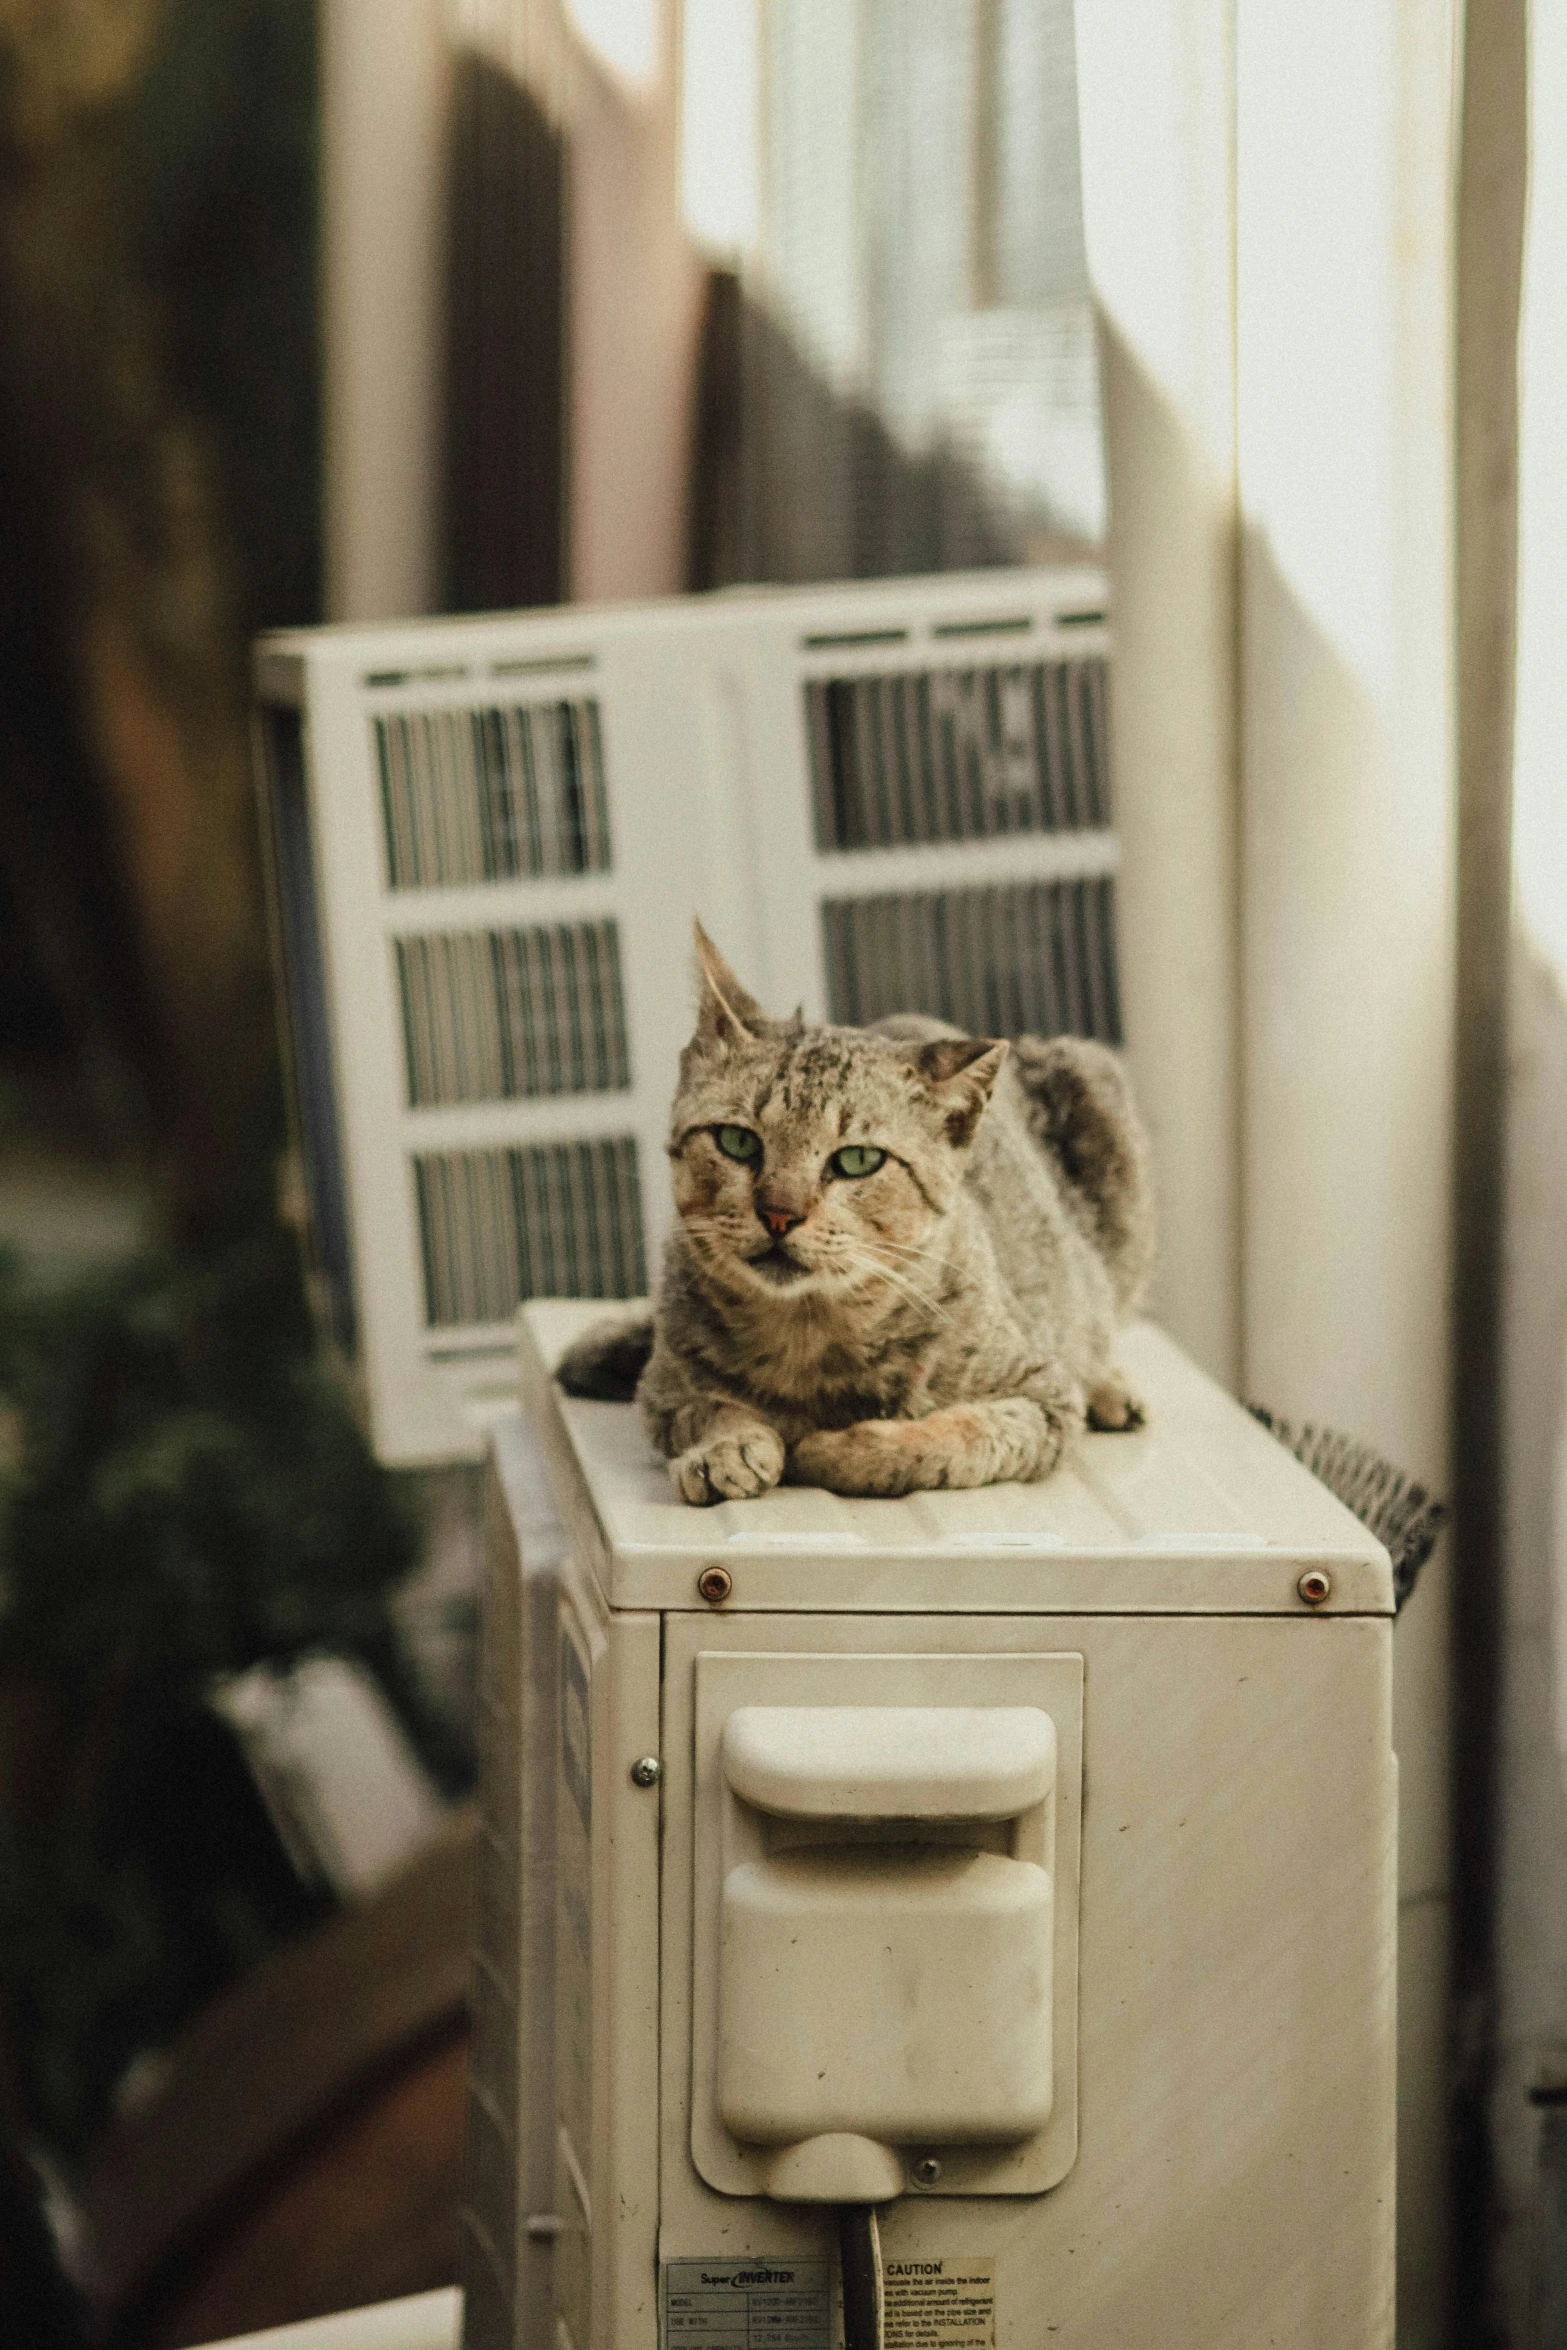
[901,1256]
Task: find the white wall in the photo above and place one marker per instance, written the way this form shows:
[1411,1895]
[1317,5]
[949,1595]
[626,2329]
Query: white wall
[383,118]
[633,306]
[634,320]
[1156,113]
[1532,1892]
[1344,309]
[1540,753]
[1268,198]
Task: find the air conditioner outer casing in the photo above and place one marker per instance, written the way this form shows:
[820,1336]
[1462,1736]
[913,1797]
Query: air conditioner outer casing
[1217,2167]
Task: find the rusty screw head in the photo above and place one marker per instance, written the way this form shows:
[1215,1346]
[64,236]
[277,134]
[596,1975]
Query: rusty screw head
[646,1771]
[715,1583]
[927,2171]
[1314,1586]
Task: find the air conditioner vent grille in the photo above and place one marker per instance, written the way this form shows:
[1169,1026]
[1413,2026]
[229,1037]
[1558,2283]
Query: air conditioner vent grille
[1028,959]
[554,1220]
[492,794]
[499,1015]
[958,754]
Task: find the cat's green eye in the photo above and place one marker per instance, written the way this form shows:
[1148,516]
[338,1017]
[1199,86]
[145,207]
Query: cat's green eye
[856,1158]
[738,1142]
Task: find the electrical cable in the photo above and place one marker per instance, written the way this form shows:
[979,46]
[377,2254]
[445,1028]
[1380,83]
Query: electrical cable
[859,2255]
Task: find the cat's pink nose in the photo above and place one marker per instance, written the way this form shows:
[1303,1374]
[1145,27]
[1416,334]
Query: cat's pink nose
[778,1220]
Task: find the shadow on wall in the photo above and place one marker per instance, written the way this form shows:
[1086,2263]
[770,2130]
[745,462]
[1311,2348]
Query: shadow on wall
[504,516]
[794,483]
[1531,2178]
[1171,548]
[790,481]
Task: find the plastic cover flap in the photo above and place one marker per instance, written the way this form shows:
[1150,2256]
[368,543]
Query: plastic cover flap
[860,1762]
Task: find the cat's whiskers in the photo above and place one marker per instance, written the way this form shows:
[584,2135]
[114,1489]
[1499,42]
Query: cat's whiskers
[889,1273]
[920,1256]
[940,1268]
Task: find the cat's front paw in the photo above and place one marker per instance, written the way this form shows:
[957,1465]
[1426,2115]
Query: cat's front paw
[1115,1406]
[880,1457]
[734,1467]
[981,1443]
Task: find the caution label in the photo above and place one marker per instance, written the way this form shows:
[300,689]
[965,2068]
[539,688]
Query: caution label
[939,2304]
[758,2304]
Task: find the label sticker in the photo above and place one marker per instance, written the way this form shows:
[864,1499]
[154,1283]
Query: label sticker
[757,2304]
[939,2304]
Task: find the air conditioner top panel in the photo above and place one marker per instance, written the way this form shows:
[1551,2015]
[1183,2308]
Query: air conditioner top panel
[1201,1512]
[949,609]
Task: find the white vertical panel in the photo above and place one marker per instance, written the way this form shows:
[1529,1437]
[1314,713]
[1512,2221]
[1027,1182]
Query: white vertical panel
[383,113]
[810,267]
[720,124]
[1539,800]
[1531,1925]
[1344,322]
[634,318]
[1156,118]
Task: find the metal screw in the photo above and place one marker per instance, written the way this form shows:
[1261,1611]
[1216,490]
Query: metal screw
[646,1771]
[1315,1586]
[715,1583]
[927,2172]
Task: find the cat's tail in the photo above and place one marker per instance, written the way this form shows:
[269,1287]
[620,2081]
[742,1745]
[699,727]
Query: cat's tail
[606,1362]
[1080,1110]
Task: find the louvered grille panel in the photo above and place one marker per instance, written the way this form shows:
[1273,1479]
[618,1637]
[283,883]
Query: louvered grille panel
[959,754]
[1031,959]
[491,795]
[557,1220]
[499,1015]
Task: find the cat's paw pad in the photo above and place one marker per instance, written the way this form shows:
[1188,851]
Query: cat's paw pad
[729,1468]
[1115,1407]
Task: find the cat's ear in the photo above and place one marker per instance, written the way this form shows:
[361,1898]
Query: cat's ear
[725,1012]
[961,1072]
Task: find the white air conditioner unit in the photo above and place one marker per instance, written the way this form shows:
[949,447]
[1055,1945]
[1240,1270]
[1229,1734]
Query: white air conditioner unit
[487,841]
[1021,1862]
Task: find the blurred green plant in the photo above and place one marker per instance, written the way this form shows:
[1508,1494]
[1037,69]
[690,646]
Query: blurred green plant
[183,1494]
